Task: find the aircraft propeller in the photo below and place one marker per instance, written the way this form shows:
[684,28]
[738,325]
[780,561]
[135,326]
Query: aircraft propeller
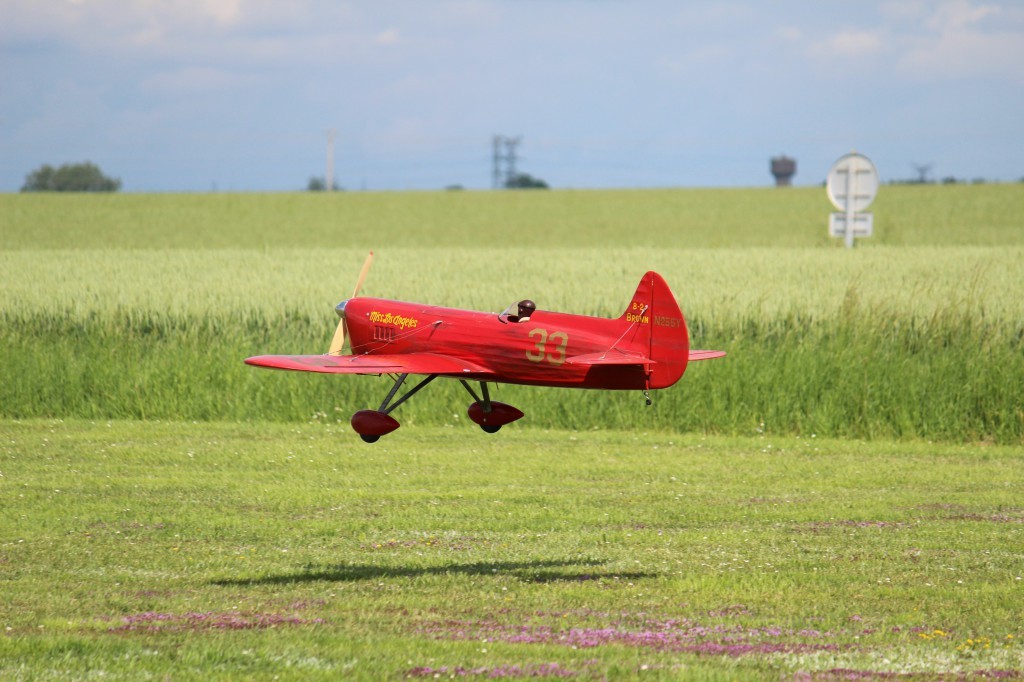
[339,334]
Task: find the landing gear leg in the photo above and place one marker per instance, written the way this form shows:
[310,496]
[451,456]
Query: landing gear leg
[372,424]
[486,404]
[394,389]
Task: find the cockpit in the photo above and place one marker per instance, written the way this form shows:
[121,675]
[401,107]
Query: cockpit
[520,311]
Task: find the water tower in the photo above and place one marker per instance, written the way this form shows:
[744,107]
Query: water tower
[783,168]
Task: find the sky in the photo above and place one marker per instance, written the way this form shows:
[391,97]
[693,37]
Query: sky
[239,95]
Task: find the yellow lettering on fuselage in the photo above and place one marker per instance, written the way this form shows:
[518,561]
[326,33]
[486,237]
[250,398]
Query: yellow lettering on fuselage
[394,320]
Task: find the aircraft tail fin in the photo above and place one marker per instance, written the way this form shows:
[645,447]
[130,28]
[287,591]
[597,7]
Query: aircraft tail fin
[658,329]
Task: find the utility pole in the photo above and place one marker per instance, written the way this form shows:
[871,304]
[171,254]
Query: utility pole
[496,162]
[510,156]
[329,178]
[501,177]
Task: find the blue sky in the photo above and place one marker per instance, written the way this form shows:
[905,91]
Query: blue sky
[195,95]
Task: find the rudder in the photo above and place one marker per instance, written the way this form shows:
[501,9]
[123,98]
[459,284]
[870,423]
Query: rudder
[660,329]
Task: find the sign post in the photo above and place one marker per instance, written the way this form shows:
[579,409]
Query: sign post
[852,185]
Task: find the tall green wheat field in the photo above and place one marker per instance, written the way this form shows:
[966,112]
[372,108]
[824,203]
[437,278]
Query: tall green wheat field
[144,306]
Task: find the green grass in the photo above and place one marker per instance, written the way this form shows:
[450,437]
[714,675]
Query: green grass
[890,342]
[153,549]
[143,306]
[735,285]
[181,515]
[982,215]
[950,379]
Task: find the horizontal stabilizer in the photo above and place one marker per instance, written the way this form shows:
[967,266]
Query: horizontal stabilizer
[610,357]
[617,357]
[397,363]
[705,355]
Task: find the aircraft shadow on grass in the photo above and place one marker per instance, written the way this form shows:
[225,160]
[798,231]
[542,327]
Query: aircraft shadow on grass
[549,571]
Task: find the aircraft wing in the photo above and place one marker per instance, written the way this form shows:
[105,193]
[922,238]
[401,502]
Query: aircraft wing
[705,355]
[398,363]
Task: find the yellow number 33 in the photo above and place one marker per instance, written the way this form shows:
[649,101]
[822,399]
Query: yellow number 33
[549,347]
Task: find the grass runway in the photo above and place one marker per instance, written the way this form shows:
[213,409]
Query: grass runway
[134,550]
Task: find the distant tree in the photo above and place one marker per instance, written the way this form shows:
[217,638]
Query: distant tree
[320,185]
[525,181]
[71,177]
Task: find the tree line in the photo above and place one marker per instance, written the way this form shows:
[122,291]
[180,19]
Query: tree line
[70,177]
[87,177]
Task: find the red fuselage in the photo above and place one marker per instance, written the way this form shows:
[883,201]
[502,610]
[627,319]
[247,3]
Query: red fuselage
[539,351]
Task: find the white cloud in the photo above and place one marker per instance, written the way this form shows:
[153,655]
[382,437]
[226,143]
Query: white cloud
[387,37]
[790,34]
[966,54]
[224,11]
[111,25]
[965,40]
[929,42]
[958,15]
[855,43]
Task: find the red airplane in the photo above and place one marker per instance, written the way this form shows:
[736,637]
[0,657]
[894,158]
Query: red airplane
[647,347]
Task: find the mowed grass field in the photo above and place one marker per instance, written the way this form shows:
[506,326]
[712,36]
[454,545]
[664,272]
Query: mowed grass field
[839,498]
[146,550]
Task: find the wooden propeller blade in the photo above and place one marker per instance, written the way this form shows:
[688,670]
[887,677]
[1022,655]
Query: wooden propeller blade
[362,274]
[338,342]
[339,339]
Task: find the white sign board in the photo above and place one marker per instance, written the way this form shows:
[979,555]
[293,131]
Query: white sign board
[852,185]
[862,224]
